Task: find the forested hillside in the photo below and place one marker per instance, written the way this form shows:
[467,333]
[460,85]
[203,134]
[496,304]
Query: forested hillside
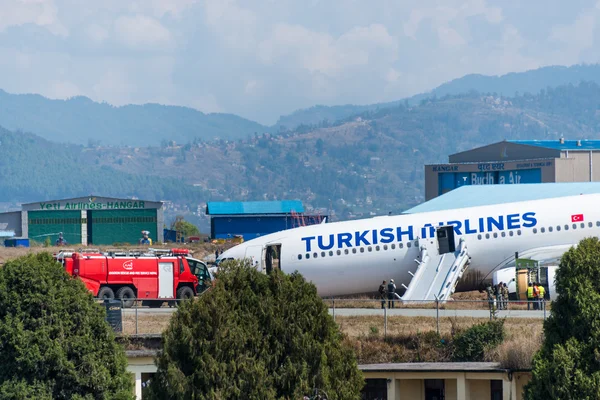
[80,120]
[371,163]
[531,82]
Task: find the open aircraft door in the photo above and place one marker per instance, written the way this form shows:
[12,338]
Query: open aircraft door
[254,254]
[271,257]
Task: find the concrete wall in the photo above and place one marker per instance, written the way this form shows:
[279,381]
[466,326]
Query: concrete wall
[479,389]
[11,221]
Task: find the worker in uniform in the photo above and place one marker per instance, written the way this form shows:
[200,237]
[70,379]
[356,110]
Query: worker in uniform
[391,291]
[490,296]
[383,293]
[541,295]
[505,295]
[61,241]
[536,295]
[499,296]
[530,295]
[145,239]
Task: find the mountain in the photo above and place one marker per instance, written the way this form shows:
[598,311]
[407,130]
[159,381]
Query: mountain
[532,81]
[32,168]
[365,165]
[80,120]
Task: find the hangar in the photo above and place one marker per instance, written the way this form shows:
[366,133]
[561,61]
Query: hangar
[515,162]
[87,220]
[256,218]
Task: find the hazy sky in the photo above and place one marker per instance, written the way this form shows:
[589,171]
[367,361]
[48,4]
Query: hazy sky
[264,58]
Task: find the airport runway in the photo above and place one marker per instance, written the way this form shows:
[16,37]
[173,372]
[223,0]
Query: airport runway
[405,312]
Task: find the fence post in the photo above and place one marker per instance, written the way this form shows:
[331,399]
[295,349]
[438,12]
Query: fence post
[544,305]
[384,322]
[136,317]
[437,314]
[333,300]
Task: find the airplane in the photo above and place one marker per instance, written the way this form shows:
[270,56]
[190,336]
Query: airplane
[427,249]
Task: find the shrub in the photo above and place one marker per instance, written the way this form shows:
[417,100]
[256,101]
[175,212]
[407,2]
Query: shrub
[471,344]
[516,353]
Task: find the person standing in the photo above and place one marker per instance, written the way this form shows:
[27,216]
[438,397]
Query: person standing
[383,293]
[499,296]
[541,296]
[529,295]
[536,295]
[391,291]
[505,295]
[490,296]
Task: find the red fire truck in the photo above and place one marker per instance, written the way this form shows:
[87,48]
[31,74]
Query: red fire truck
[155,275]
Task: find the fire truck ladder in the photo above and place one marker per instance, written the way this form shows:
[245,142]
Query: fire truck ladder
[437,274]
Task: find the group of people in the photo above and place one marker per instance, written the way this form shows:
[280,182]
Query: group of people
[387,291]
[536,293]
[500,293]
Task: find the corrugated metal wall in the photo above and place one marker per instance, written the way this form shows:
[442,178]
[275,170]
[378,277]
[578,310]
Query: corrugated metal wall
[121,226]
[43,224]
[249,227]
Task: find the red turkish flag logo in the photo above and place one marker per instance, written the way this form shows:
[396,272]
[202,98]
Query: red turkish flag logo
[577,218]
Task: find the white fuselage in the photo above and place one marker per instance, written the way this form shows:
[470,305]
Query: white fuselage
[356,256]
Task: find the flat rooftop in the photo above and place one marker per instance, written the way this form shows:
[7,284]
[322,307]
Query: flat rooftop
[565,145]
[434,367]
[486,195]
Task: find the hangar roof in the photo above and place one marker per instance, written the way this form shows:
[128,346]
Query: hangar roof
[486,195]
[253,207]
[565,145]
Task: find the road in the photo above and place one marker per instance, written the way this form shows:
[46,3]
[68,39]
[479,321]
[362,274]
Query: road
[405,312]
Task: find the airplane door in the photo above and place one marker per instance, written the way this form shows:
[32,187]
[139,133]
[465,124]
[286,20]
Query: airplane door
[165,280]
[445,239]
[254,253]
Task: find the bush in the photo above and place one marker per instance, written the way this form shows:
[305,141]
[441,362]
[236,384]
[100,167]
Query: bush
[516,353]
[471,344]
[255,336]
[55,341]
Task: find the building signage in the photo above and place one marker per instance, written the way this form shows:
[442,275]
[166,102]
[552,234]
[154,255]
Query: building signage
[93,205]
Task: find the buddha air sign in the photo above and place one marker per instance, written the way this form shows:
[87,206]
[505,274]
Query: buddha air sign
[93,204]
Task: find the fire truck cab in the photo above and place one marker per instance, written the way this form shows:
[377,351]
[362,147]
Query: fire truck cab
[151,275]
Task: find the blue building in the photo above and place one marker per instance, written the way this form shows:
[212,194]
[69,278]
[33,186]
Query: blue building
[256,218]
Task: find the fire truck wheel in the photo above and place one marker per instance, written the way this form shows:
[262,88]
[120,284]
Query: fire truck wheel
[184,293]
[126,295]
[106,293]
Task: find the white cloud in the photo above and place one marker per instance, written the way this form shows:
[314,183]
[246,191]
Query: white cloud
[235,25]
[38,12]
[141,31]
[97,33]
[63,90]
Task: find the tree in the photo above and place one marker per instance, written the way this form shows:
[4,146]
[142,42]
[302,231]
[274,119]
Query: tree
[55,342]
[255,336]
[188,229]
[568,364]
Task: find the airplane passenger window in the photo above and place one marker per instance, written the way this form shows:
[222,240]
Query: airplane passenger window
[558,228]
[307,256]
[511,233]
[503,234]
[322,254]
[339,252]
[377,248]
[393,246]
[590,224]
[400,245]
[354,251]
[519,232]
[408,244]
[346,251]
[487,235]
[315,255]
[495,235]
[574,226]
[299,256]
[479,237]
[582,225]
[362,249]
[330,253]
[566,227]
[370,248]
[542,230]
[534,230]
[549,229]
[385,247]
[597,223]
